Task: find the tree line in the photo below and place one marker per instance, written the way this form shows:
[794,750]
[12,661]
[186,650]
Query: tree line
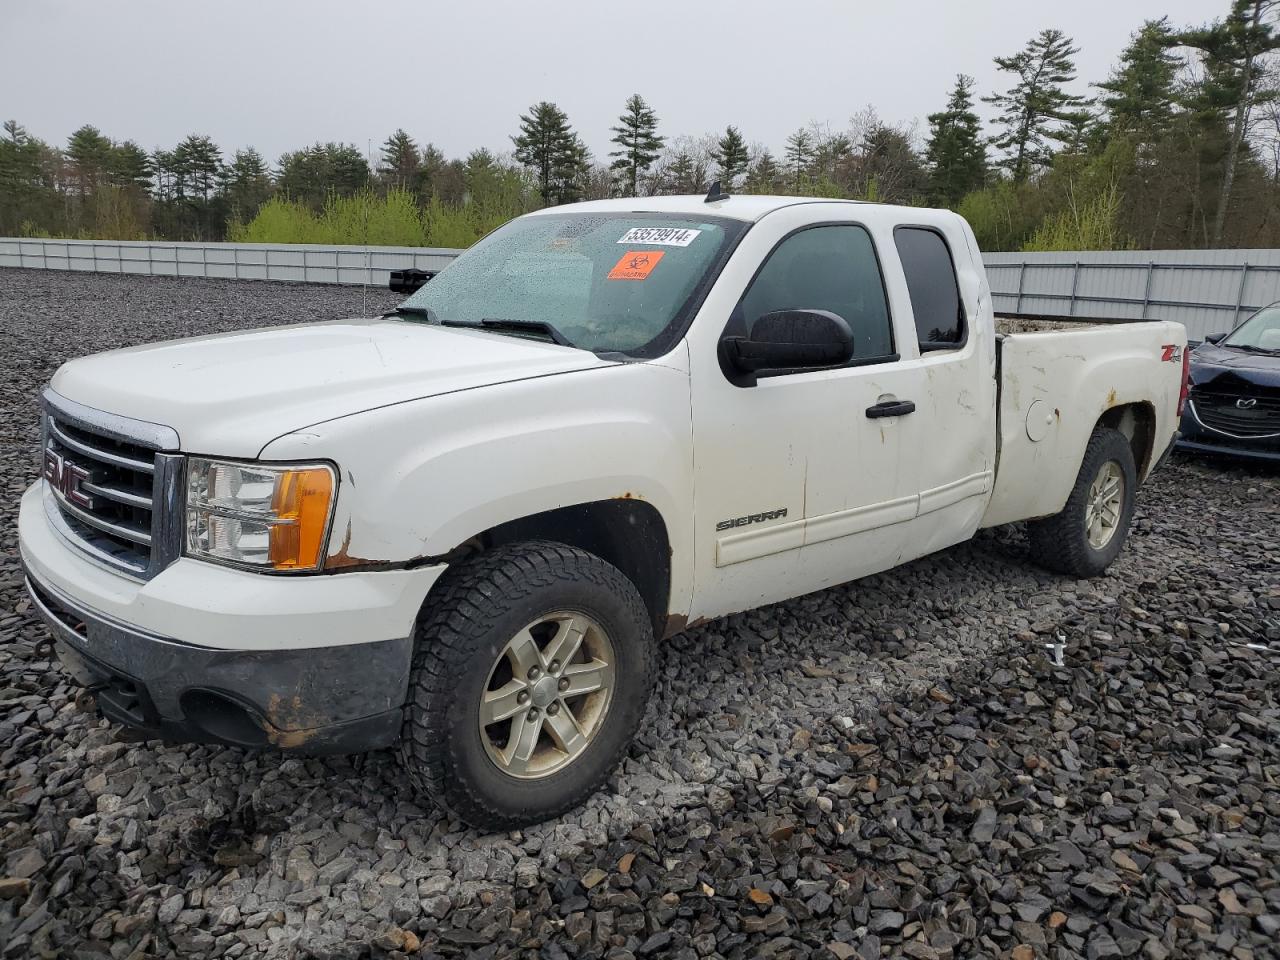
[1179,146]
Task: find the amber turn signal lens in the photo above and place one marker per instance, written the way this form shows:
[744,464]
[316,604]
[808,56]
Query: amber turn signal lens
[301,506]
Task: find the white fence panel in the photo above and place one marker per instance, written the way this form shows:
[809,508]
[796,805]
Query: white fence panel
[1208,290]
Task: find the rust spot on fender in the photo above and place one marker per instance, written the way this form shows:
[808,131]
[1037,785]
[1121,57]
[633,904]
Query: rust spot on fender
[1111,397]
[289,724]
[343,560]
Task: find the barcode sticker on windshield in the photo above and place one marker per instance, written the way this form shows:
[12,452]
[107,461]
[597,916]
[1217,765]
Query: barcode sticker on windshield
[660,236]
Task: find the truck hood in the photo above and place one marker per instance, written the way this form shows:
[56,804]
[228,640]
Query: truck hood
[231,394]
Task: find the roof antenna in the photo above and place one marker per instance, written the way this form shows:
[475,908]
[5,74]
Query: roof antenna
[715,195]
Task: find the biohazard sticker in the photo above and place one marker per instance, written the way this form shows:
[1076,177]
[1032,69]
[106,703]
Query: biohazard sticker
[635,265]
[660,236]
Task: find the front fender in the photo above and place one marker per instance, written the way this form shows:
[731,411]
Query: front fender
[420,478]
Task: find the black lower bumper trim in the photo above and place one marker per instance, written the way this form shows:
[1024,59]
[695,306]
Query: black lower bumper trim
[314,700]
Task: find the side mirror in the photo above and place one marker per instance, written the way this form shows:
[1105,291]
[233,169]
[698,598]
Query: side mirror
[789,340]
[1214,337]
[407,281]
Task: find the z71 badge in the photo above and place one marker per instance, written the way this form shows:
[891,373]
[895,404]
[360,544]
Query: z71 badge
[1172,353]
[752,518]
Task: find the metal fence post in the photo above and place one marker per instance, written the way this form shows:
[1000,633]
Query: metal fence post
[1075,280]
[1146,295]
[1022,272]
[1244,276]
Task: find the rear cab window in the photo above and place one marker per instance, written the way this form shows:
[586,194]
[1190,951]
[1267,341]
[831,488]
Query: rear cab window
[934,289]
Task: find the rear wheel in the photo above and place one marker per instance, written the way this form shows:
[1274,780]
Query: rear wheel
[531,672]
[1089,533]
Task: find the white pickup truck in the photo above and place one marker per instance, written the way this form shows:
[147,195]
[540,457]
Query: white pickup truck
[462,527]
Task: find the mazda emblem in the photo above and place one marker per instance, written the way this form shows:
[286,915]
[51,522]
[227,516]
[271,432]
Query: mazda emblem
[1244,403]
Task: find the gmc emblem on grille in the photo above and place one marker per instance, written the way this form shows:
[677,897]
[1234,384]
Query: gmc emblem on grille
[1244,403]
[67,478]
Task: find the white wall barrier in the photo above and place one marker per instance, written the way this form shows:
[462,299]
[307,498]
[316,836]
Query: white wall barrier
[1208,290]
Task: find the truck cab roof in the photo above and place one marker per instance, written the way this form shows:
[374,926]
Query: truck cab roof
[743,207]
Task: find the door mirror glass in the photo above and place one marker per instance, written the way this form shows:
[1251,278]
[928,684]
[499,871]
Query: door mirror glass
[790,340]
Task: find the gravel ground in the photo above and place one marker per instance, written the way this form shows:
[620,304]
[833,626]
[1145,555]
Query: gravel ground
[891,768]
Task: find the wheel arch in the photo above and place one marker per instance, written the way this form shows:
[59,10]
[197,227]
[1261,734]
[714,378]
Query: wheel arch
[1137,422]
[625,531]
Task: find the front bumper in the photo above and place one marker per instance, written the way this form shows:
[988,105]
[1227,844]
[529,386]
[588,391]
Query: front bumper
[312,664]
[1198,438]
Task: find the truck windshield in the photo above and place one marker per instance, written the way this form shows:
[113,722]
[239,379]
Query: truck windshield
[1259,332]
[623,282]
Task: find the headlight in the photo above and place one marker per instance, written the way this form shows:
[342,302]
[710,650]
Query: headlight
[256,515]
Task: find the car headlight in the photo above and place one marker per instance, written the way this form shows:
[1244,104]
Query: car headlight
[258,515]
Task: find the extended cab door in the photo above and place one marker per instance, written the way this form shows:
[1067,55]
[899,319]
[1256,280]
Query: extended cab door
[954,331]
[798,483]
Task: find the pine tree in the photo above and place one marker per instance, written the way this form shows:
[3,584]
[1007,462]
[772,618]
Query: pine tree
[1138,98]
[764,176]
[1033,109]
[130,167]
[200,161]
[89,152]
[730,157]
[831,154]
[547,144]
[400,164]
[955,153]
[799,159]
[686,174]
[1232,50]
[248,183]
[638,143]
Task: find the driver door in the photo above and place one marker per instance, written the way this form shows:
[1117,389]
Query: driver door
[799,484]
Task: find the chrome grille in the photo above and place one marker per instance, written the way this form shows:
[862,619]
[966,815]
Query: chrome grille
[112,491]
[1237,415]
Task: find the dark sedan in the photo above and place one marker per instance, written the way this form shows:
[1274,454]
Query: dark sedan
[1234,403]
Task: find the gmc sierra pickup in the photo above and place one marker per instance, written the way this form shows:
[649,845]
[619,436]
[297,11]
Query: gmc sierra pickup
[462,527]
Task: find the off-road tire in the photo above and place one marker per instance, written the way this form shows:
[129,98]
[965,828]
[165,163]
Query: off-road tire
[466,622]
[1061,542]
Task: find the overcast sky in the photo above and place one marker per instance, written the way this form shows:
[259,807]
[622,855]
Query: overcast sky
[280,74]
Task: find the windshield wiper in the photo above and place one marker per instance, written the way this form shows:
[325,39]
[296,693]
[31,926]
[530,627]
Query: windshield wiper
[1251,348]
[498,325]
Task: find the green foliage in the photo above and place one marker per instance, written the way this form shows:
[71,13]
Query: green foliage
[392,220]
[1034,109]
[401,164]
[1235,84]
[313,174]
[1092,225]
[955,154]
[638,143]
[764,176]
[548,146]
[1002,216]
[1138,98]
[730,157]
[799,159]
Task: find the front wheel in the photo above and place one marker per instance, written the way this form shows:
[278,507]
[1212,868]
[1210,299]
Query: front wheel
[532,667]
[1087,535]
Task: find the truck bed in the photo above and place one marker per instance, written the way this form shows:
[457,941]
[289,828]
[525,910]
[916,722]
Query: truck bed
[1057,378]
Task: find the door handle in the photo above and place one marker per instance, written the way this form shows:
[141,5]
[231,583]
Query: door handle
[890,408]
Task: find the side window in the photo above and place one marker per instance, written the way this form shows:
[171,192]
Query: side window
[825,268]
[931,281]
